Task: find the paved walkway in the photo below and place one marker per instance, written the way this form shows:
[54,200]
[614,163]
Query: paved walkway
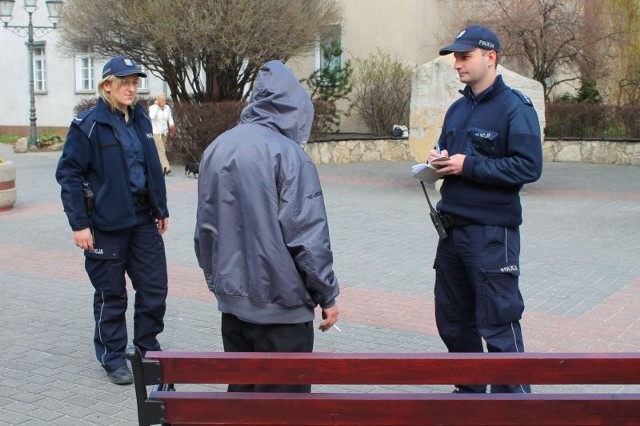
[581,279]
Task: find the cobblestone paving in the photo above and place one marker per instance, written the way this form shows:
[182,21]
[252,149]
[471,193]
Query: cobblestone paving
[580,279]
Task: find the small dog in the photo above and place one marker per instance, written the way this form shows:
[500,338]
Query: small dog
[192,168]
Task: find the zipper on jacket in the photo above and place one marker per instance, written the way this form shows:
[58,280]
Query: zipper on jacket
[474,103]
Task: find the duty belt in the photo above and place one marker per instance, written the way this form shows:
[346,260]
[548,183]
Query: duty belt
[451,221]
[140,199]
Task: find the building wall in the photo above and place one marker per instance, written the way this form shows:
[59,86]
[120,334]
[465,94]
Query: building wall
[411,30]
[54,109]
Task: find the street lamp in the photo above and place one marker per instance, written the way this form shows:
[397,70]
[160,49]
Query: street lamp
[6,8]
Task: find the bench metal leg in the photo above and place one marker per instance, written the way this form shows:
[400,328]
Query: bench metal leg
[146,372]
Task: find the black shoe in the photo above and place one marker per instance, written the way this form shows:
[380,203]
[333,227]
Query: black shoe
[121,376]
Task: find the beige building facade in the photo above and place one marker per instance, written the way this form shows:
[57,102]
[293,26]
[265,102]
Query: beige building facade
[409,30]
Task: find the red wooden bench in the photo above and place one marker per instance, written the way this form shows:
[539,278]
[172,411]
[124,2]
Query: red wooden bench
[396,407]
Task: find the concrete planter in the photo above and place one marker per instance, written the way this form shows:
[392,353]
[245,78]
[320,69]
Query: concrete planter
[8,193]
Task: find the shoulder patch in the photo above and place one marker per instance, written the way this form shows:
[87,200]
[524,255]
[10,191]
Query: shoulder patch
[524,98]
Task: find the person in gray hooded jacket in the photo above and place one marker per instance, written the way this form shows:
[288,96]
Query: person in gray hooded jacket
[262,237]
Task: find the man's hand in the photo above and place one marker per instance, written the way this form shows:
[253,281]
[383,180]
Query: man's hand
[163,225]
[83,239]
[433,154]
[330,317]
[452,166]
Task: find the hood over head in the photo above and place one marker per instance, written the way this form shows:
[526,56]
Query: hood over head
[280,102]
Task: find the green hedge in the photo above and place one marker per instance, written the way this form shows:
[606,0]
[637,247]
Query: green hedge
[580,120]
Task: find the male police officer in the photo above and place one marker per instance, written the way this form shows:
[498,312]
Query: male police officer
[492,144]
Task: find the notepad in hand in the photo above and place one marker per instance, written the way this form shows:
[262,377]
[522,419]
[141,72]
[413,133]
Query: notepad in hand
[425,172]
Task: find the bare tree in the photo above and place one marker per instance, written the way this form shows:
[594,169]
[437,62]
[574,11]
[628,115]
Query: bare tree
[558,41]
[207,50]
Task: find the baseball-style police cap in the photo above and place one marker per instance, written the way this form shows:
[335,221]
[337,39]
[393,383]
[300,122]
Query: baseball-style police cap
[471,38]
[121,66]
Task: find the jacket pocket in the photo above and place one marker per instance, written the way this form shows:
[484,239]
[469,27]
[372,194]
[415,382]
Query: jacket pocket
[483,142]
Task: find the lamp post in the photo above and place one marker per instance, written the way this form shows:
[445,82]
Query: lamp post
[6,9]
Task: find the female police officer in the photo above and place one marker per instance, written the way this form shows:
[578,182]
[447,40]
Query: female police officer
[110,150]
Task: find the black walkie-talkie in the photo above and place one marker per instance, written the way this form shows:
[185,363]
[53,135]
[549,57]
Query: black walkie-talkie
[435,217]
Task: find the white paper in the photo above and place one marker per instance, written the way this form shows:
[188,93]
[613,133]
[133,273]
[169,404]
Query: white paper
[425,172]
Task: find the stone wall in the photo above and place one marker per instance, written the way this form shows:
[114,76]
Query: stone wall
[397,149]
[358,150]
[592,151]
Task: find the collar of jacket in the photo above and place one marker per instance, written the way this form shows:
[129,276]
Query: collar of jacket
[497,87]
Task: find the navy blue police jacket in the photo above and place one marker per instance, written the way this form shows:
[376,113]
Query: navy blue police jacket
[93,153]
[499,133]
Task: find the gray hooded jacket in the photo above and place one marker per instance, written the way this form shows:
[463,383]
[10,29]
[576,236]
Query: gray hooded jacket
[262,237]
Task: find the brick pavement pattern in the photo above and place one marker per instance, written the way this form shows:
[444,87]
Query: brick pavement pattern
[581,279]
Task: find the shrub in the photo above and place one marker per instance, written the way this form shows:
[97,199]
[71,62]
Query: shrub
[576,120]
[84,104]
[589,92]
[629,117]
[46,138]
[198,124]
[583,120]
[382,92]
[328,86]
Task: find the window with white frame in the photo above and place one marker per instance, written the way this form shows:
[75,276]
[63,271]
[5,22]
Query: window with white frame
[39,68]
[85,80]
[329,53]
[143,83]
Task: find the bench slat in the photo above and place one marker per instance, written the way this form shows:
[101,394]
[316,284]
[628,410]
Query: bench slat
[407,369]
[397,409]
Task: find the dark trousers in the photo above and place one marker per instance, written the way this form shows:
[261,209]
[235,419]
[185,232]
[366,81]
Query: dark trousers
[477,294]
[140,253]
[242,336]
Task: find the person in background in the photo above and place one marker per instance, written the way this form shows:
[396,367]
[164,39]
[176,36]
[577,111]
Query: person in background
[492,146]
[262,237]
[163,127]
[113,192]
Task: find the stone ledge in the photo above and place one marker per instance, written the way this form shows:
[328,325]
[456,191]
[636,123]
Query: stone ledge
[397,149]
[592,151]
[361,150]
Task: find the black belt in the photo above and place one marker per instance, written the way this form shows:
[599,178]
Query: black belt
[452,221]
[140,198]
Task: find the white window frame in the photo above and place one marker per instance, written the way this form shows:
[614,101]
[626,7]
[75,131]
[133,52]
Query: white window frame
[143,83]
[39,68]
[85,80]
[318,59]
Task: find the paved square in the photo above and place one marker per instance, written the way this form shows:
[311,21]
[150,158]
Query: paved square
[580,279]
